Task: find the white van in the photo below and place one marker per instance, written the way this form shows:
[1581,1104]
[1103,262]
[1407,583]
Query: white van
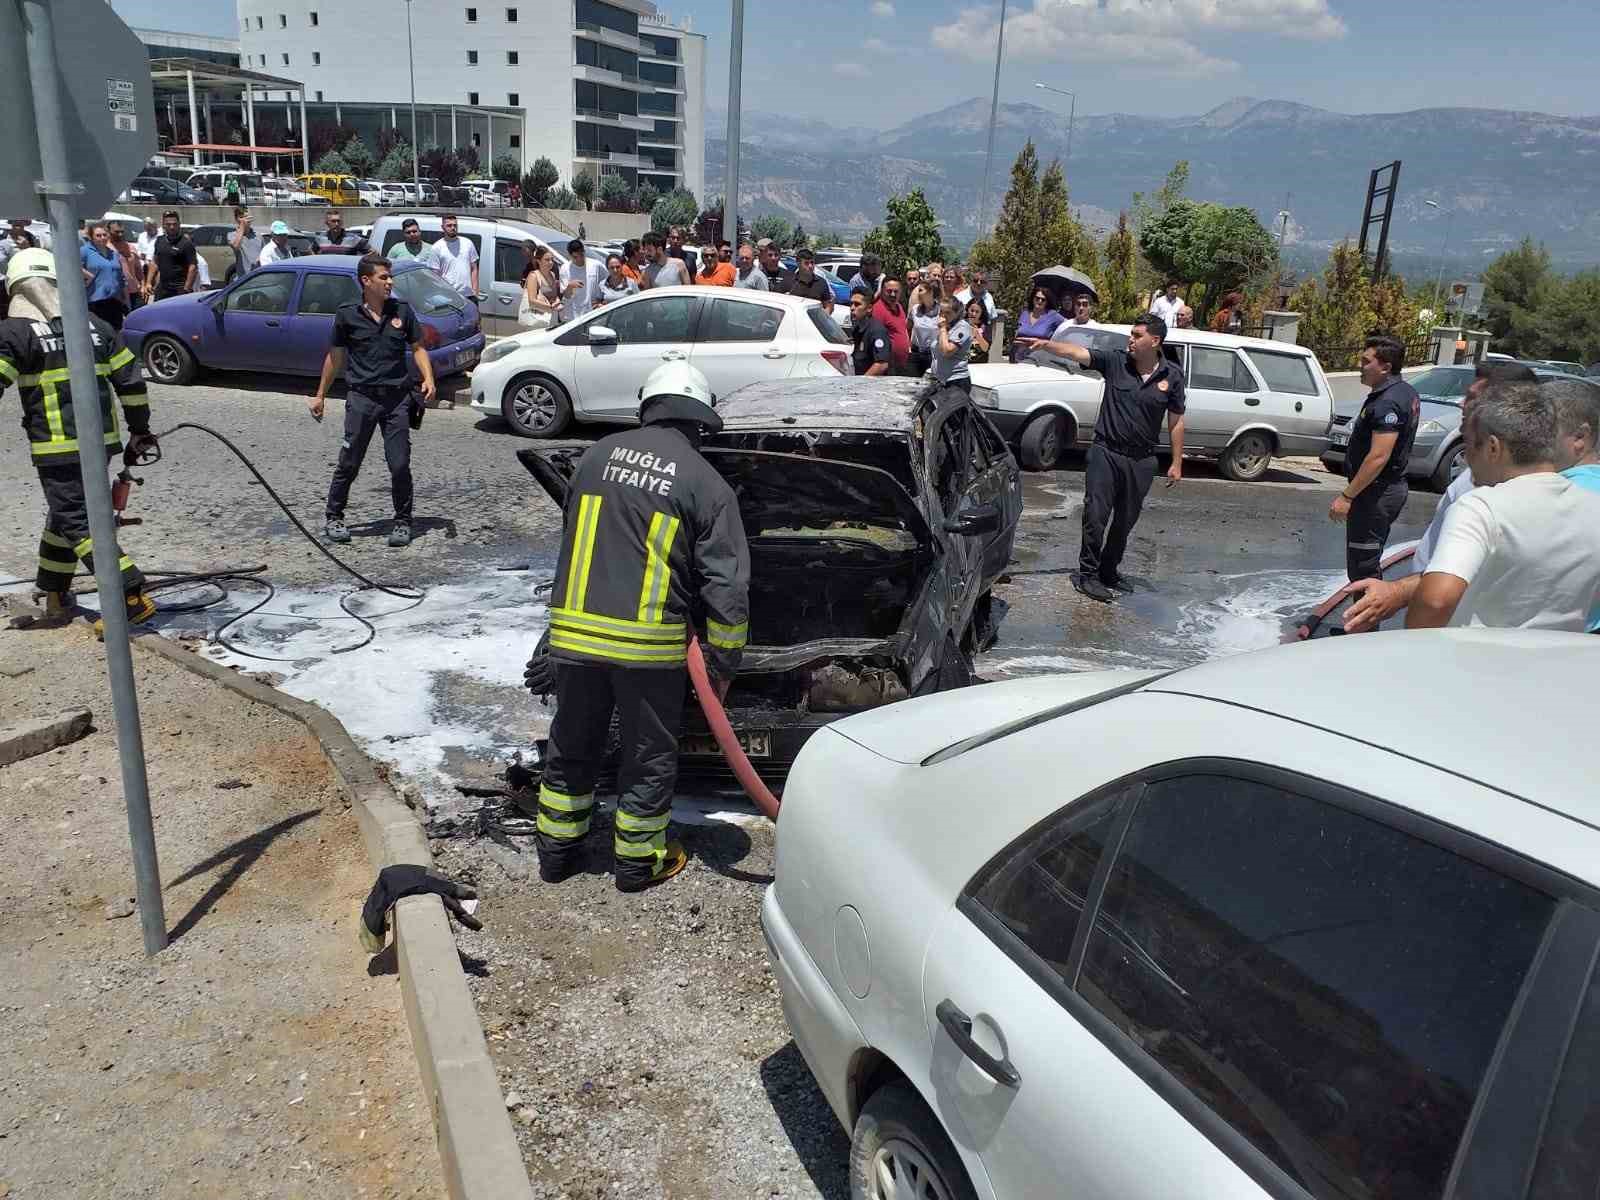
[1249,400]
[215,181]
[488,193]
[500,257]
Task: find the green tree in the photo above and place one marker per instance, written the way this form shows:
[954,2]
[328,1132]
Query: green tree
[614,194]
[646,196]
[1119,293]
[332,163]
[828,237]
[361,159]
[561,197]
[1169,193]
[677,207]
[1010,253]
[541,177]
[583,187]
[908,237]
[1569,318]
[1516,287]
[798,237]
[1336,312]
[505,167]
[769,225]
[397,164]
[1221,248]
[1062,238]
[445,166]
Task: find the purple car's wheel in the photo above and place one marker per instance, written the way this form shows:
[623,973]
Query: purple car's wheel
[166,360]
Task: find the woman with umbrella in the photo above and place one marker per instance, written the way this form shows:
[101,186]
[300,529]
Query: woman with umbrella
[1039,321]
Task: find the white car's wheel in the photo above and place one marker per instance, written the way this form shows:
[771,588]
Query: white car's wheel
[899,1152]
[536,406]
[1248,458]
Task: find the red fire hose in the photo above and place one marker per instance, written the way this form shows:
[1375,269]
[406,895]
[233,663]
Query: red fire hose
[723,732]
[1318,615]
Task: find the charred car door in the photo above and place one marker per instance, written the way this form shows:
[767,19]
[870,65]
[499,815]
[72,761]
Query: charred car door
[979,498]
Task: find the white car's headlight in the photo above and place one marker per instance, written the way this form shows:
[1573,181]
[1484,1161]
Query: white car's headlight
[1430,426]
[984,396]
[499,350]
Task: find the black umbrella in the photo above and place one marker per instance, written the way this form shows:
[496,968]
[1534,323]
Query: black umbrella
[1065,281]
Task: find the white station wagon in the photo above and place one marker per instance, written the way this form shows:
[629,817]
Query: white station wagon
[1250,400]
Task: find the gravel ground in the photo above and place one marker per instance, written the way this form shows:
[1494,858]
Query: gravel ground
[254,1057]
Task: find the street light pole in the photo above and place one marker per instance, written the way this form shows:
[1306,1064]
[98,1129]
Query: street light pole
[416,154]
[994,113]
[1444,246]
[730,190]
[1072,112]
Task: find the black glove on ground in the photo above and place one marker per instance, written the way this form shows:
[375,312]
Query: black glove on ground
[407,879]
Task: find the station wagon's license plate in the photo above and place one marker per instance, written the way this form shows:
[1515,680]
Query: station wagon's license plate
[1340,437]
[465,358]
[755,743]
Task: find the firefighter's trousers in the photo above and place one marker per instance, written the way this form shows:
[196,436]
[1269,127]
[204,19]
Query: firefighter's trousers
[65,541]
[649,707]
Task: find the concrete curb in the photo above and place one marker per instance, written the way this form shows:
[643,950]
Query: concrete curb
[477,1147]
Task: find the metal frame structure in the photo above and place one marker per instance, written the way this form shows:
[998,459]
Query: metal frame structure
[1387,193]
[171,76]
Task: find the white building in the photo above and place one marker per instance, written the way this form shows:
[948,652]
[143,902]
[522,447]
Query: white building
[605,86]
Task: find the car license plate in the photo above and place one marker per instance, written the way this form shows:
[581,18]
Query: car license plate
[1340,437]
[465,358]
[755,743]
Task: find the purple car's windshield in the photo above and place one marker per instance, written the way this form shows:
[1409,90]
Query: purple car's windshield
[426,292]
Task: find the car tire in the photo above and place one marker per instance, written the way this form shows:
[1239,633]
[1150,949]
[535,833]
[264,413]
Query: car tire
[899,1149]
[536,406]
[166,359]
[1247,457]
[1447,470]
[1041,442]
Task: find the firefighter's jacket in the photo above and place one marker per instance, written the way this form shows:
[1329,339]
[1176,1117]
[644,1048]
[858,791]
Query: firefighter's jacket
[653,537]
[33,356]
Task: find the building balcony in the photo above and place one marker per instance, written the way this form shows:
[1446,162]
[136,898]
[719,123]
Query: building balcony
[649,54]
[616,158]
[675,113]
[616,79]
[656,141]
[610,37]
[652,169]
[620,120]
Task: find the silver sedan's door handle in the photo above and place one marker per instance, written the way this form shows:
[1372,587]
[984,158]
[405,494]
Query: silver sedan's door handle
[775,353]
[504,299]
[1252,401]
[673,356]
[959,1026]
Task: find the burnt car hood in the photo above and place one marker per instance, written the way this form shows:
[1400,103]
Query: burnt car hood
[775,491]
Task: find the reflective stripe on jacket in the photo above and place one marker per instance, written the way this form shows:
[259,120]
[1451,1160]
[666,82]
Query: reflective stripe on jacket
[33,356]
[652,535]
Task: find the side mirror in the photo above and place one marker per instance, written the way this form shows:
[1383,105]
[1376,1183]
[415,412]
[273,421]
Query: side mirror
[601,334]
[984,518]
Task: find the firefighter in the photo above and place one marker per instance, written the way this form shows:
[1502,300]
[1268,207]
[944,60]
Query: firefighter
[33,355]
[652,534]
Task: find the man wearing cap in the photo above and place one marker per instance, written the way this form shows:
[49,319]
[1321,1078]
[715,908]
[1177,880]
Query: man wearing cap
[33,356]
[411,244]
[277,248]
[653,538]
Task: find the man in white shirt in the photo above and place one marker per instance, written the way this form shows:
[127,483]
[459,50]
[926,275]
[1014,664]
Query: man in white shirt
[1167,305]
[1522,549]
[145,243]
[1376,600]
[455,259]
[277,247]
[978,290]
[1083,313]
[580,282]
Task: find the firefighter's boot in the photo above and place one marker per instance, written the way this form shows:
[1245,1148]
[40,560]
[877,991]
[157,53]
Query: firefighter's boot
[140,609]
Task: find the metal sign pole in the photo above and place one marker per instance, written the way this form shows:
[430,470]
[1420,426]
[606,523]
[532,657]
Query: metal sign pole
[58,192]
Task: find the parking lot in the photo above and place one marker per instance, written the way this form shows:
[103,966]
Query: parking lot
[639,1040]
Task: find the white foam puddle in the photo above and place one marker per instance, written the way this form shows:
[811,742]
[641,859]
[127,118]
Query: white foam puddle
[1251,612]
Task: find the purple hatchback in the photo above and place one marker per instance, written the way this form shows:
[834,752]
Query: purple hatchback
[279,318]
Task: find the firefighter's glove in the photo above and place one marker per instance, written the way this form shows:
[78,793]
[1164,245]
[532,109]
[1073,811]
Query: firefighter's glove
[407,879]
[144,448]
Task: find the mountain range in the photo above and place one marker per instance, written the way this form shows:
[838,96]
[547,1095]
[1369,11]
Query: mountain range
[1496,175]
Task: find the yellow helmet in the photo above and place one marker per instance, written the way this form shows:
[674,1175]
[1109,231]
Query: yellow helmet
[32,263]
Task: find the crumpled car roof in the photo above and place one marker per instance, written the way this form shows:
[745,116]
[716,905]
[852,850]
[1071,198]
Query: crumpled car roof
[843,402]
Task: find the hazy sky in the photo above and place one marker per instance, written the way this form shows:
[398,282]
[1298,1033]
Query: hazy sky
[878,62]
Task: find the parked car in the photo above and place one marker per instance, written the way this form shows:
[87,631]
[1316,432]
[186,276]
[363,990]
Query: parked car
[335,189]
[213,181]
[839,287]
[592,369]
[278,189]
[880,513]
[369,192]
[211,244]
[1566,366]
[1249,399]
[155,189]
[1438,454]
[1261,954]
[279,318]
[488,193]
[500,258]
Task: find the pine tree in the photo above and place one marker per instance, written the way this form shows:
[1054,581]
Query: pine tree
[1336,312]
[361,159]
[1119,293]
[584,188]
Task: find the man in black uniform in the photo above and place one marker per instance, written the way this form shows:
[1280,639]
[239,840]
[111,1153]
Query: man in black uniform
[806,282]
[1140,386]
[653,535]
[33,355]
[174,262]
[378,335]
[1375,461]
[871,353]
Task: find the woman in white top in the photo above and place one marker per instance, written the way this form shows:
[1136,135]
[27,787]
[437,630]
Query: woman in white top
[541,289]
[616,285]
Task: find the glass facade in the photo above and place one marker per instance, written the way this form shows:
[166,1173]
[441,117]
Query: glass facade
[593,12]
[658,73]
[593,54]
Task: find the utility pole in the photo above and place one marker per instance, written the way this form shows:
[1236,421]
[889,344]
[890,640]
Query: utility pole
[730,193]
[416,154]
[59,188]
[1072,116]
[994,113]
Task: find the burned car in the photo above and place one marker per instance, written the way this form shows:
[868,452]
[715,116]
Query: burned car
[879,514]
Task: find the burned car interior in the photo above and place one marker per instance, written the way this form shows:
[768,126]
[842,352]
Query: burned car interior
[879,513]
